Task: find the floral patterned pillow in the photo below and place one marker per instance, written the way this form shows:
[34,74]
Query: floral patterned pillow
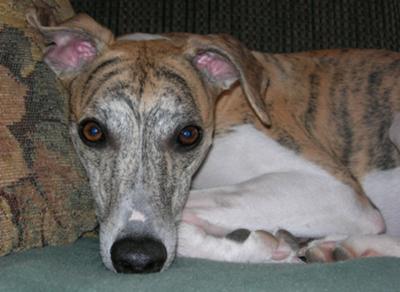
[44,194]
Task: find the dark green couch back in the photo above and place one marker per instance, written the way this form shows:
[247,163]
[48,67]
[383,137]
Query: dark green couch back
[265,25]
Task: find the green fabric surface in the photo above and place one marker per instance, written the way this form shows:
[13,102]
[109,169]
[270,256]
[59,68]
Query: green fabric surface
[78,267]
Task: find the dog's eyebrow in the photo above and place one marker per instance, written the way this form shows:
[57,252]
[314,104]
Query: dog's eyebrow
[105,79]
[175,78]
[106,63]
[118,94]
[112,61]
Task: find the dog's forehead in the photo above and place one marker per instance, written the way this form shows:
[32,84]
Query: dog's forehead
[146,73]
[154,50]
[157,70]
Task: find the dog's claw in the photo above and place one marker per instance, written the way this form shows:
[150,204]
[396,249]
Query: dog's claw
[317,255]
[340,253]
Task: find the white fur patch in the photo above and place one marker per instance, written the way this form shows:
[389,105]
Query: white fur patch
[246,153]
[383,188]
[137,216]
[251,181]
[141,37]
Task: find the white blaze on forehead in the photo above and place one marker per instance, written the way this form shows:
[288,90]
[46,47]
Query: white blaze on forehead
[137,216]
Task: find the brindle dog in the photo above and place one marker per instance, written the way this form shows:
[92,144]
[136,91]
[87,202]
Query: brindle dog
[300,142]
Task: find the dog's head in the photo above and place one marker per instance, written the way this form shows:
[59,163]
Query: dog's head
[141,120]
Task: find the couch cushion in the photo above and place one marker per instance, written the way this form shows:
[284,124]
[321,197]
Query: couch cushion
[264,25]
[79,268]
[44,195]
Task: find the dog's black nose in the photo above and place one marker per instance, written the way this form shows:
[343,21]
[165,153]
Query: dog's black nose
[138,255]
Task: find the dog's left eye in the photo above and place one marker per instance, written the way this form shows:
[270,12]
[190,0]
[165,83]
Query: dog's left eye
[91,132]
[189,136]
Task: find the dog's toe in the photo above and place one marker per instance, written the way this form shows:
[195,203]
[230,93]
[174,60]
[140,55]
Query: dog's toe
[264,245]
[282,246]
[319,252]
[286,236]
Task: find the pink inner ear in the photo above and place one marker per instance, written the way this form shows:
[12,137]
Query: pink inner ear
[216,66]
[70,52]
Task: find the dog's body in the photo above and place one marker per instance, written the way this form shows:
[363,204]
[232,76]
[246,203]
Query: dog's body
[300,140]
[332,111]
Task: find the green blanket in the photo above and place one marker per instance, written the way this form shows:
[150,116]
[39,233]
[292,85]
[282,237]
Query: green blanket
[78,267]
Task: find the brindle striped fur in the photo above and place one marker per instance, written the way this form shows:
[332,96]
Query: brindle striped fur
[334,107]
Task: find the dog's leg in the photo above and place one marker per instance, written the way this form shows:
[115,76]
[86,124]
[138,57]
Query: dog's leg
[306,205]
[336,248]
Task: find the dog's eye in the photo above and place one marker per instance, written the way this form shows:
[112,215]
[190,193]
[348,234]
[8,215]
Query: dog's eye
[91,132]
[189,136]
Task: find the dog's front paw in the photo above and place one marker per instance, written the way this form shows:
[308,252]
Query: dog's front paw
[319,251]
[240,245]
[339,248]
[279,247]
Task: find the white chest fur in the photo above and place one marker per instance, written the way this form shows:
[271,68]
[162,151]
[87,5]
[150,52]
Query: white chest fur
[247,153]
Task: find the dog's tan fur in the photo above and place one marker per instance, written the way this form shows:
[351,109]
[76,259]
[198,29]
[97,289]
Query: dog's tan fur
[289,97]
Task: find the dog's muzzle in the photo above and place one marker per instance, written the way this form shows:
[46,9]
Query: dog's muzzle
[138,255]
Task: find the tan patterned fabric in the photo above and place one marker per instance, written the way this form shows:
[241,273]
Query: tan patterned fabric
[44,195]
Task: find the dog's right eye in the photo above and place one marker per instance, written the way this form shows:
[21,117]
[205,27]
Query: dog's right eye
[91,132]
[189,136]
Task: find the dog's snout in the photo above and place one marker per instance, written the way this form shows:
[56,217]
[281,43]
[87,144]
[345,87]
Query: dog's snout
[138,255]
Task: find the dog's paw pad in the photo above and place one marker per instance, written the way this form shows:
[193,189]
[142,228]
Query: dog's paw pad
[239,235]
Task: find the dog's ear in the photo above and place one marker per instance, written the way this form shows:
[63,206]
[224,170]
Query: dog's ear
[222,61]
[71,45]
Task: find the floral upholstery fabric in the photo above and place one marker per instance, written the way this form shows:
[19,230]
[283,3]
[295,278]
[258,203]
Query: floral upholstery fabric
[44,194]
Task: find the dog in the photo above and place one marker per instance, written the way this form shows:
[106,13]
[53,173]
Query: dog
[195,145]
